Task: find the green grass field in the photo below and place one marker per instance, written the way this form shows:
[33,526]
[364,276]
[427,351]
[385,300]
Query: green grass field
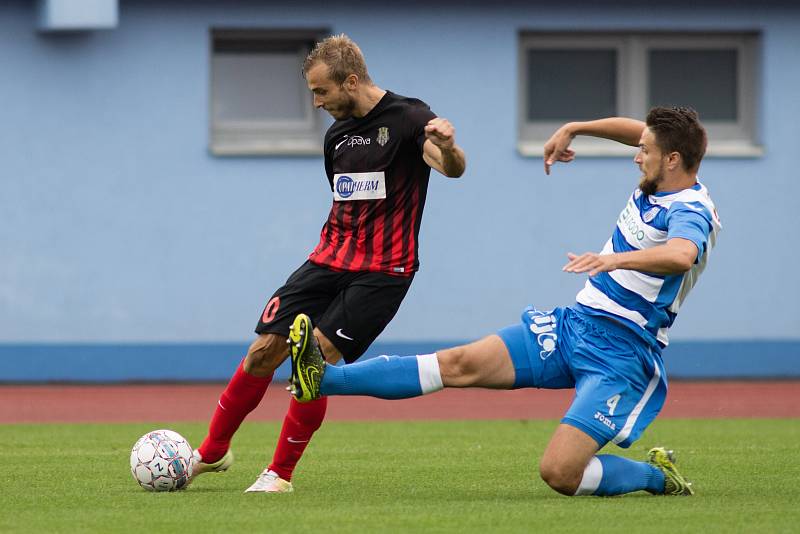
[459,476]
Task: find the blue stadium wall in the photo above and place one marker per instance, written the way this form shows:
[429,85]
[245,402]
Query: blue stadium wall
[128,252]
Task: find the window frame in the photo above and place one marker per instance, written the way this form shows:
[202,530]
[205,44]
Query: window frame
[266,137]
[736,139]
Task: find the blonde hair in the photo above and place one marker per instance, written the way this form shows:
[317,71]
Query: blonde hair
[342,56]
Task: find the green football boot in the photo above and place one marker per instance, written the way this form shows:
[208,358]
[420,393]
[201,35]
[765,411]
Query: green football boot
[308,364]
[674,483]
[198,467]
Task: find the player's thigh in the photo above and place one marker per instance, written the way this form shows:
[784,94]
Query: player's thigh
[361,310]
[538,347]
[310,290]
[484,363]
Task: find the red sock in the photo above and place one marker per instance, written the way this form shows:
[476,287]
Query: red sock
[300,423]
[241,397]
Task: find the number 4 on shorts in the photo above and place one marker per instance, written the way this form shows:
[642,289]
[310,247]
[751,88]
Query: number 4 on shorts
[612,404]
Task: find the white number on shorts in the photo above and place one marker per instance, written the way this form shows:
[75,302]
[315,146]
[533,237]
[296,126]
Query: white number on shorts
[612,404]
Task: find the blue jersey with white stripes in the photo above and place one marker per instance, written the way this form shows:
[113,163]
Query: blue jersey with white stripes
[646,302]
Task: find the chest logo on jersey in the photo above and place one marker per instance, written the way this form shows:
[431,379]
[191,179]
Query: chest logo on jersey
[383,135]
[359,186]
[352,140]
[630,222]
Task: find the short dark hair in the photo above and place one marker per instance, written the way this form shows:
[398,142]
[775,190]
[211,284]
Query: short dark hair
[342,56]
[679,130]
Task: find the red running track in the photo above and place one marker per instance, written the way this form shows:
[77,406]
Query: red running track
[165,403]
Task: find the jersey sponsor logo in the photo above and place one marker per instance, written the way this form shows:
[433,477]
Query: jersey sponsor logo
[628,221]
[359,186]
[383,135]
[352,140]
[357,140]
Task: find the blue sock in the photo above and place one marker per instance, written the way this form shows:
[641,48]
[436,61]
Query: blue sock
[621,475]
[385,377]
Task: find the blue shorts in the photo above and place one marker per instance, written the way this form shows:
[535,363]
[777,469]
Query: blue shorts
[619,380]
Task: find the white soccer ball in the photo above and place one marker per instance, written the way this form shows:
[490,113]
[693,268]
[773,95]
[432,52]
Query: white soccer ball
[161,461]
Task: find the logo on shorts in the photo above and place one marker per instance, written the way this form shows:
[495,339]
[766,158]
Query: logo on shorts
[605,420]
[383,136]
[342,335]
[543,326]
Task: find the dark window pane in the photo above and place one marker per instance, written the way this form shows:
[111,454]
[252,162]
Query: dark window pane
[702,79]
[252,46]
[571,84]
[259,87]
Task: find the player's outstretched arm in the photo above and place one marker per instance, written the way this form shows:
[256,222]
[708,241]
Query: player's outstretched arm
[620,129]
[440,150]
[674,257]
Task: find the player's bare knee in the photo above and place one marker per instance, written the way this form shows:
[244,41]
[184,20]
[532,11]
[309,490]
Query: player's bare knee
[456,368]
[559,477]
[265,354]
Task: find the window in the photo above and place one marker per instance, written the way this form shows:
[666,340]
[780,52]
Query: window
[582,76]
[259,100]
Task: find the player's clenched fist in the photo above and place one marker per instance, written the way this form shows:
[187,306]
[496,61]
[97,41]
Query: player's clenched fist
[441,133]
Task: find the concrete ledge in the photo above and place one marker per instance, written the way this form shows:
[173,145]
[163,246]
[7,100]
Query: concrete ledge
[215,362]
[82,15]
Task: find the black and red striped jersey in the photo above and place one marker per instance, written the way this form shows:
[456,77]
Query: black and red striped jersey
[379,183]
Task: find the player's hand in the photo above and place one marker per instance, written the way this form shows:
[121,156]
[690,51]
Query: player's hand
[557,148]
[441,133]
[590,261]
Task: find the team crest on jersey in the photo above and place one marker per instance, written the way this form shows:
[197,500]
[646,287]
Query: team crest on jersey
[383,135]
[650,214]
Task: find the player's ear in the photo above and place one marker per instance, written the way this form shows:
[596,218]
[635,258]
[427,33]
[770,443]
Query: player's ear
[674,160]
[351,82]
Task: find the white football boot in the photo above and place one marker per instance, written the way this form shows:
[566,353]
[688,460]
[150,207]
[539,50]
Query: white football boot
[269,482]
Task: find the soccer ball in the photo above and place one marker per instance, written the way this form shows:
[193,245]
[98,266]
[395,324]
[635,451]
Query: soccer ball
[161,461]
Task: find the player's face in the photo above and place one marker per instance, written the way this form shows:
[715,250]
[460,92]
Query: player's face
[329,95]
[651,162]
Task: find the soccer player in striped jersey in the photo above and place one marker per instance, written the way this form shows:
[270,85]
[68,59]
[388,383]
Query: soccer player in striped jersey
[607,345]
[378,156]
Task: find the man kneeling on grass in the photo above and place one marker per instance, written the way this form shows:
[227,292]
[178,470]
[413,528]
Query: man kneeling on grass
[607,345]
